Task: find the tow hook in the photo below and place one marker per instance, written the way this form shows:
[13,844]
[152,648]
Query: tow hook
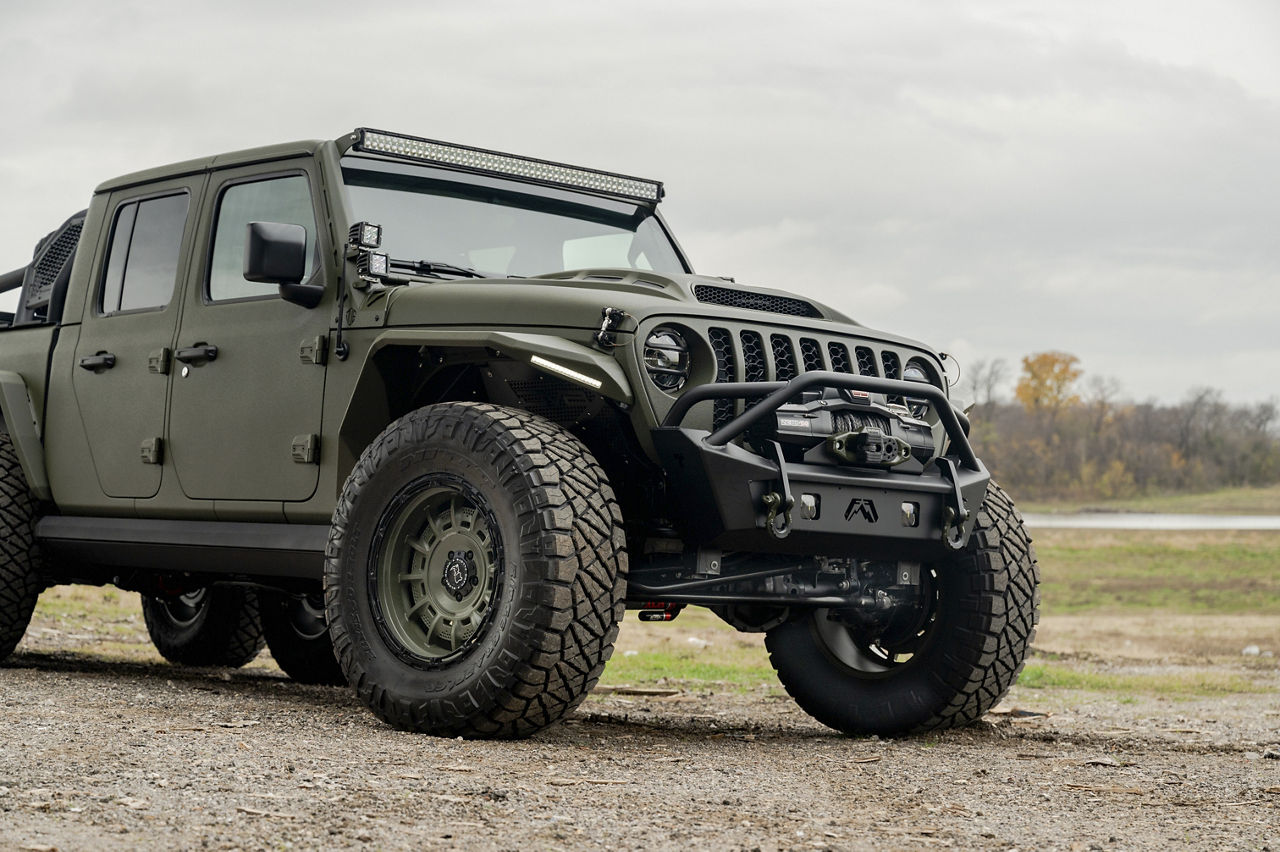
[957,512]
[779,504]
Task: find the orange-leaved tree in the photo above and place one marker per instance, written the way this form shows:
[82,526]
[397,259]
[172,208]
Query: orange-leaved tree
[1047,384]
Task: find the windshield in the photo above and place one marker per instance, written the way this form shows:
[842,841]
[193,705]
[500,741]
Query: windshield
[502,227]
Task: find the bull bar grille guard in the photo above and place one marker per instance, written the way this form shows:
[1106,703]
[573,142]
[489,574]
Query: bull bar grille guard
[709,476]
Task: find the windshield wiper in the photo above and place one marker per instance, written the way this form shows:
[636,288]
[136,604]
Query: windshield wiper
[436,268]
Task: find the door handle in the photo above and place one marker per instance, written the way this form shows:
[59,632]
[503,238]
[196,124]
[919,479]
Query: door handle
[98,363]
[197,354]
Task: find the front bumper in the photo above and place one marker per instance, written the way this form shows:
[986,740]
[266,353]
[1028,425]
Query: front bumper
[725,493]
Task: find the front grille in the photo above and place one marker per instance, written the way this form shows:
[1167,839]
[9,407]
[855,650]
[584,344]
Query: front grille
[731,298]
[776,355]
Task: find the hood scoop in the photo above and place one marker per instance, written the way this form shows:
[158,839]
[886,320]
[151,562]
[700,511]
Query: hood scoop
[751,301]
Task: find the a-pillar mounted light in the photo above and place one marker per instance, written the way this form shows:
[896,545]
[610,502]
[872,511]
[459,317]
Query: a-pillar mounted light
[362,240]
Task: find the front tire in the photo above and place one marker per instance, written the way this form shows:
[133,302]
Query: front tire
[210,626]
[20,557]
[475,572]
[985,609]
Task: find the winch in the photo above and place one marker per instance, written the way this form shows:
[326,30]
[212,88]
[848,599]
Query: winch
[842,426]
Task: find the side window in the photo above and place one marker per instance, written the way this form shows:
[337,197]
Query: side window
[285,199]
[142,265]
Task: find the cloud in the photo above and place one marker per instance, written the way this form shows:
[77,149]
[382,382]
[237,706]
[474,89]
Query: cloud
[1016,175]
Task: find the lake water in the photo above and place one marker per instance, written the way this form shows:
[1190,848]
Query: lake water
[1144,521]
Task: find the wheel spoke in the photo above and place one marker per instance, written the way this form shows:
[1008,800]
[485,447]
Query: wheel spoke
[412,612]
[433,522]
[453,511]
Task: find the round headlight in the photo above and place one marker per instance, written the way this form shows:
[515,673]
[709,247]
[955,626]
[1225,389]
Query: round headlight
[666,357]
[913,372]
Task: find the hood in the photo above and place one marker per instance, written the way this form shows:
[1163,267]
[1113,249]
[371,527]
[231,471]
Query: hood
[575,299]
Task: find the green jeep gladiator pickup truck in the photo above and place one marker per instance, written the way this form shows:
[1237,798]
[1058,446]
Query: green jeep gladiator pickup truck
[427,419]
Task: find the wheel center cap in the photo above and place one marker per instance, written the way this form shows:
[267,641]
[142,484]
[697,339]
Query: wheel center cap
[456,573]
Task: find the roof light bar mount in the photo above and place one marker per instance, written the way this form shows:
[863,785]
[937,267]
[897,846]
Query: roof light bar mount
[514,166]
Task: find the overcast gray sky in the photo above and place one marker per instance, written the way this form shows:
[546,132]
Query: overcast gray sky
[995,178]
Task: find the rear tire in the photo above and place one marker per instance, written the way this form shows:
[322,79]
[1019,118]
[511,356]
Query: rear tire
[985,613]
[475,572]
[298,637]
[211,626]
[21,560]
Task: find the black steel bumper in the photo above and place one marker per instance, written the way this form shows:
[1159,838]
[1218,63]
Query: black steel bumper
[729,497]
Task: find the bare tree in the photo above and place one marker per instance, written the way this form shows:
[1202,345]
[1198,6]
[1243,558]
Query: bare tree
[983,382]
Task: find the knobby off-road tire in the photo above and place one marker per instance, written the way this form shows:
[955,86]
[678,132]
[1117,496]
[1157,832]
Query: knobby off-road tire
[298,637]
[475,572]
[212,626]
[20,556]
[986,609]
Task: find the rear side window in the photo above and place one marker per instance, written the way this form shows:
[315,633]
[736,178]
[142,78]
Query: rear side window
[142,266]
[283,199]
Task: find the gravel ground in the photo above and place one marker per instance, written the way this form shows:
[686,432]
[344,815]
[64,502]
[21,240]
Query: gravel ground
[103,751]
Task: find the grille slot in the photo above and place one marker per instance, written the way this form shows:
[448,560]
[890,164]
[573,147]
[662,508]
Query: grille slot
[892,370]
[811,355]
[866,362]
[722,344]
[754,368]
[731,298]
[784,358]
[839,357]
[892,367]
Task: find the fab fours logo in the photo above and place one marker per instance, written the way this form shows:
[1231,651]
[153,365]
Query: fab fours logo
[862,507]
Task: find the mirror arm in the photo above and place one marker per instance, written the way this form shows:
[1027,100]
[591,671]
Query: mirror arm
[306,295]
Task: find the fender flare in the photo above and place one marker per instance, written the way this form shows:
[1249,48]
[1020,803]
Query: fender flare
[18,418]
[554,355]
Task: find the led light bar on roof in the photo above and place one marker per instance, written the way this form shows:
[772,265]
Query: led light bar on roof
[507,165]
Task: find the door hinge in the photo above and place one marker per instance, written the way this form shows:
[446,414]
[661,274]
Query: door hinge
[306,449]
[153,451]
[158,361]
[313,351]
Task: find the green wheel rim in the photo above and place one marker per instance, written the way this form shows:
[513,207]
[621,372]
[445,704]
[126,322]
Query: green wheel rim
[436,571]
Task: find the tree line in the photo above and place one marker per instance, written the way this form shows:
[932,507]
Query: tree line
[1070,437]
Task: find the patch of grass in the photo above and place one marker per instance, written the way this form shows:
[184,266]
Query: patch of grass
[1123,570]
[697,648]
[1175,685]
[687,668]
[1228,501]
[735,667]
[95,604]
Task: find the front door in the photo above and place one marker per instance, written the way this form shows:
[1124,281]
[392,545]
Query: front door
[248,386]
[120,378]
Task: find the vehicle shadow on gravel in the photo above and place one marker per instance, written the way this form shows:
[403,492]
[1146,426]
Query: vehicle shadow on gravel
[248,682]
[738,717]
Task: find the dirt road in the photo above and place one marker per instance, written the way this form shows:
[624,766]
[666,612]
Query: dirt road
[101,748]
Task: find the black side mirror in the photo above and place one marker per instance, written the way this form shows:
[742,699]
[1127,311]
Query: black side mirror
[276,253]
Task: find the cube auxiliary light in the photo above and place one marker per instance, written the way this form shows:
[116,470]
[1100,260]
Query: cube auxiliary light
[372,266]
[506,165]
